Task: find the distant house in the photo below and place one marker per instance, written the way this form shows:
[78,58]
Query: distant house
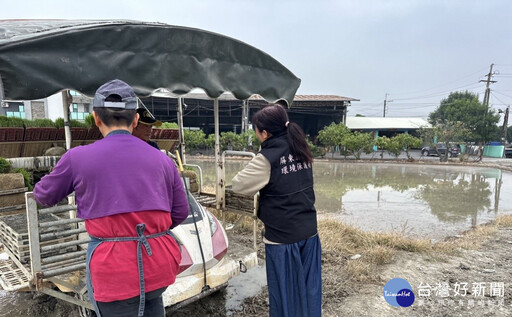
[388,127]
[50,107]
[23,109]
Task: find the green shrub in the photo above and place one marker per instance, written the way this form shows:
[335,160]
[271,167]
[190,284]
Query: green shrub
[407,142]
[231,141]
[195,139]
[77,124]
[317,151]
[89,121]
[210,141]
[11,122]
[59,123]
[168,125]
[5,165]
[39,123]
[250,141]
[356,143]
[27,177]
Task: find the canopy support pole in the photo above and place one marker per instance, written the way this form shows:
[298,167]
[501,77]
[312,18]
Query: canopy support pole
[219,179]
[65,107]
[245,115]
[180,130]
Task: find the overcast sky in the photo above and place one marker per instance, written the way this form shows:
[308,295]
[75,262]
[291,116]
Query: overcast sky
[417,51]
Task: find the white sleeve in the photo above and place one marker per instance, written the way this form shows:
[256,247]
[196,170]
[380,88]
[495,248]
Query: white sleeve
[253,177]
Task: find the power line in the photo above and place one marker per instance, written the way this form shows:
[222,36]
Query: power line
[497,92]
[475,85]
[453,81]
[494,96]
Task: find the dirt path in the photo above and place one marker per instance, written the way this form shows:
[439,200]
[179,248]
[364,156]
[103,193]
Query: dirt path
[491,263]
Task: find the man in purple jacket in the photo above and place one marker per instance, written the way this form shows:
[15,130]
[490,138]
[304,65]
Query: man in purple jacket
[130,197]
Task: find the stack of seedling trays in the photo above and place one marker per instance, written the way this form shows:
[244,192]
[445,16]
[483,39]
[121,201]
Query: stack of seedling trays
[12,193]
[239,202]
[12,277]
[14,236]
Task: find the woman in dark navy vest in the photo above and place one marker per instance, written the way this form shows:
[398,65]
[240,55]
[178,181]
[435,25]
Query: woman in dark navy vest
[282,173]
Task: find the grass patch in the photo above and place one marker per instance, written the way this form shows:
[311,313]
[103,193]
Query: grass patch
[504,221]
[475,237]
[340,242]
[381,255]
[341,238]
[361,271]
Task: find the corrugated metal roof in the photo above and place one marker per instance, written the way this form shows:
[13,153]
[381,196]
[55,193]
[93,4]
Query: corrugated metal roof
[227,96]
[366,123]
[315,98]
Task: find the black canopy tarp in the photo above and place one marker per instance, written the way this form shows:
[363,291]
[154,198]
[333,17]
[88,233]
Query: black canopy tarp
[41,57]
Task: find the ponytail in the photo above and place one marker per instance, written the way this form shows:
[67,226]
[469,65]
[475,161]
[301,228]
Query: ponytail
[298,144]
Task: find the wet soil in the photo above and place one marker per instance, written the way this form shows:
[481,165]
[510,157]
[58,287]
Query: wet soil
[491,263]
[34,305]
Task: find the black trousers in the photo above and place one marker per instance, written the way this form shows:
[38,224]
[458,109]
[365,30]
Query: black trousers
[130,307]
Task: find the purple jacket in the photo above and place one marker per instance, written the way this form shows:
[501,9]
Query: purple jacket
[115,175]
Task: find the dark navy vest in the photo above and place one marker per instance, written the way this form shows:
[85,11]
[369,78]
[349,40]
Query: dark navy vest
[286,204]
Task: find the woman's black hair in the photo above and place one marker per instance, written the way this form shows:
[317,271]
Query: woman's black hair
[274,119]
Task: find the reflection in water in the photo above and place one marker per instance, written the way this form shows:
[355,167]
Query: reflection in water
[453,199]
[426,201]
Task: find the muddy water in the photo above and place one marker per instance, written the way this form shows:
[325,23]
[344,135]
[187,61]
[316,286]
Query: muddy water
[33,305]
[10,302]
[427,201]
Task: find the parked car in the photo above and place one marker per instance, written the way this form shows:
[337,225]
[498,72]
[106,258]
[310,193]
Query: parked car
[508,152]
[440,149]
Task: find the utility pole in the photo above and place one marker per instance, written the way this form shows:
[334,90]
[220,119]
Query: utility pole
[505,124]
[486,104]
[385,103]
[487,89]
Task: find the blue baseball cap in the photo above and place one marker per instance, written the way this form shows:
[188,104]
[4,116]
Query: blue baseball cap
[119,88]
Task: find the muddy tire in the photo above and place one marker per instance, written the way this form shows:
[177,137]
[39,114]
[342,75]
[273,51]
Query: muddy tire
[424,153]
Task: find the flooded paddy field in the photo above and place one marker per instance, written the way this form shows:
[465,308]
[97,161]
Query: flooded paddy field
[435,201]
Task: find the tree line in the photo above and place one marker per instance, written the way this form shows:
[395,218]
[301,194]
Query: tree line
[335,137]
[460,118]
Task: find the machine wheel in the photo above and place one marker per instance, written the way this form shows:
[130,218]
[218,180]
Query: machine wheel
[424,153]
